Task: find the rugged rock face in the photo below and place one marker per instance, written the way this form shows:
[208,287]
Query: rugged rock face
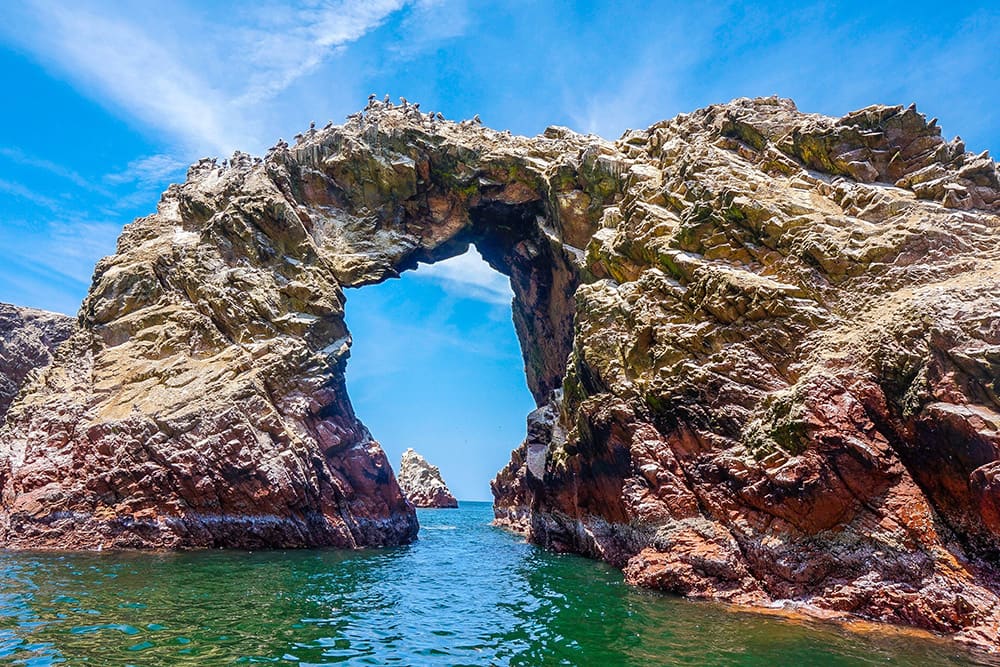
[784,376]
[764,345]
[422,483]
[27,339]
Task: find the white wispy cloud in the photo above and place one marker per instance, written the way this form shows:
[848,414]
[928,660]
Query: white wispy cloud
[468,275]
[25,282]
[648,85]
[204,79]
[55,268]
[18,156]
[74,242]
[283,46]
[68,244]
[21,191]
[128,65]
[149,171]
[429,23]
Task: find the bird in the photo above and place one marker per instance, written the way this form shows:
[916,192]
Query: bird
[386,100]
[475,119]
[298,138]
[416,106]
[403,100]
[440,116]
[329,124]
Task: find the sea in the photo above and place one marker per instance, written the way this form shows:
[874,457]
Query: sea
[466,593]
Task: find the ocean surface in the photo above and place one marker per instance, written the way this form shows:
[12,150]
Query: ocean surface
[465,594]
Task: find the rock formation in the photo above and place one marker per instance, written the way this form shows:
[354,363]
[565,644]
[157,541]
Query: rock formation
[27,339]
[422,483]
[764,346]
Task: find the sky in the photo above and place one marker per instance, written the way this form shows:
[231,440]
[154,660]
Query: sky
[106,103]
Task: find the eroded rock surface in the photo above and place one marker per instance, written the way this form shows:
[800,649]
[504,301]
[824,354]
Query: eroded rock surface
[27,339]
[422,483]
[764,346]
[783,383]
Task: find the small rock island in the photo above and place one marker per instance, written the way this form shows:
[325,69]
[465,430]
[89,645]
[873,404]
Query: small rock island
[422,483]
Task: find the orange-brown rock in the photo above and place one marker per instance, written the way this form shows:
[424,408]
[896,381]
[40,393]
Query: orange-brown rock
[763,345]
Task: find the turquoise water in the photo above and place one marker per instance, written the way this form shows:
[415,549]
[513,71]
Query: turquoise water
[465,594]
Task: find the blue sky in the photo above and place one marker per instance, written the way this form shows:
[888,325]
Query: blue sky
[106,103]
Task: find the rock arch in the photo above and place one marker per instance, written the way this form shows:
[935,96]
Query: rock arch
[763,346]
[201,401]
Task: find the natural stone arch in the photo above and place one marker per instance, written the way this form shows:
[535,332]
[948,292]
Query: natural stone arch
[782,382]
[202,401]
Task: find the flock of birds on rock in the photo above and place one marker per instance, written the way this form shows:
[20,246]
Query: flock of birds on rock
[373,112]
[407,108]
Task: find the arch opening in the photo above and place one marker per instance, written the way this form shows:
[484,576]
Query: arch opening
[515,240]
[436,365]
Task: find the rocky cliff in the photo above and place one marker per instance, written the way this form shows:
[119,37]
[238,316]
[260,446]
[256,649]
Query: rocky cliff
[27,339]
[422,483]
[764,345]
